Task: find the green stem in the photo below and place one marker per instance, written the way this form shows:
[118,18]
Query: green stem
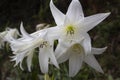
[46,77]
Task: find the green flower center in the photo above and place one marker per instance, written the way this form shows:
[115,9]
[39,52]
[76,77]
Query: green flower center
[77,48]
[70,30]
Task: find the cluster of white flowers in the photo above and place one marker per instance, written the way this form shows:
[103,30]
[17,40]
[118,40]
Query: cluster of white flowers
[74,43]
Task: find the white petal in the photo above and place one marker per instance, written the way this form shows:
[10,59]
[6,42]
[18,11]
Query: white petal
[98,50]
[67,21]
[65,56]
[43,61]
[53,59]
[91,21]
[50,53]
[44,34]
[86,43]
[23,32]
[57,14]
[21,66]
[18,58]
[29,60]
[54,32]
[61,48]
[90,60]
[75,63]
[75,12]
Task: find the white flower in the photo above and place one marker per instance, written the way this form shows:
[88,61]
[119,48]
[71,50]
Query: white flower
[5,35]
[72,29]
[2,35]
[73,26]
[25,46]
[11,33]
[76,55]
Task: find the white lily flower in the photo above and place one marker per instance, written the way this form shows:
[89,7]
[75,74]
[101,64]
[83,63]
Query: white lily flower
[25,46]
[76,56]
[73,26]
[74,19]
[11,33]
[5,35]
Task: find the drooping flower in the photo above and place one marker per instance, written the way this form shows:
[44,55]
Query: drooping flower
[5,35]
[24,47]
[76,56]
[73,26]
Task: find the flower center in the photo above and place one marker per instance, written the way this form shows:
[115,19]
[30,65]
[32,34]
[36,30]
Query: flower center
[77,48]
[70,30]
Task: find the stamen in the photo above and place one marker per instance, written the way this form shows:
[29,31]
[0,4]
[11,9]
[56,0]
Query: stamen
[45,44]
[70,30]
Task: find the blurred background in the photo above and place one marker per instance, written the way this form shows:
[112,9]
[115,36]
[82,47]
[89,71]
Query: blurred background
[33,12]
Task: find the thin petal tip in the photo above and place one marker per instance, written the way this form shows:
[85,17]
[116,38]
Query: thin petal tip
[51,2]
[101,71]
[105,47]
[108,13]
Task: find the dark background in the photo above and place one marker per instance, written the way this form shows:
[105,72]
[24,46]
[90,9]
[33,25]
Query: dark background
[33,12]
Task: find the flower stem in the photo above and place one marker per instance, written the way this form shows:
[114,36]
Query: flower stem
[46,77]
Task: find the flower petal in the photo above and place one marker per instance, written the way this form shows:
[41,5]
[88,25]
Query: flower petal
[54,32]
[53,59]
[91,21]
[29,60]
[75,63]
[65,56]
[98,50]
[43,61]
[18,58]
[51,55]
[75,12]
[57,14]
[90,60]
[23,32]
[86,43]
[61,48]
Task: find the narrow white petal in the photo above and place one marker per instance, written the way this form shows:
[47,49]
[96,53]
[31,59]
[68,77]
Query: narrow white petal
[90,60]
[43,61]
[18,58]
[53,59]
[50,53]
[98,50]
[75,63]
[86,43]
[57,14]
[23,32]
[75,12]
[21,66]
[29,60]
[91,21]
